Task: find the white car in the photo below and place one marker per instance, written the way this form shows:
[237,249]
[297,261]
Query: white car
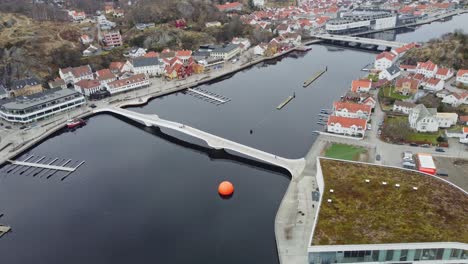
[369,127]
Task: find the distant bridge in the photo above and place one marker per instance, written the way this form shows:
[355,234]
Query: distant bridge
[294,166]
[344,38]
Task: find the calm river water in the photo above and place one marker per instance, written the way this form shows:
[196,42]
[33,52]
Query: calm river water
[150,196]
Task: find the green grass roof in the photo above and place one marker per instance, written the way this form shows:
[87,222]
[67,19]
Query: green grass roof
[371,213]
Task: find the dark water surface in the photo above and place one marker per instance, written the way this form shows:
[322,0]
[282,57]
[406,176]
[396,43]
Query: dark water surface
[146,196]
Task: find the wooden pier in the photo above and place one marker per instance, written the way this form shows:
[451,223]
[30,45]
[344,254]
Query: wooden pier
[4,230]
[283,104]
[315,77]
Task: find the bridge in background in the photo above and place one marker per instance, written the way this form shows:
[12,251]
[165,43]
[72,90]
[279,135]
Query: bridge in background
[294,166]
[359,40]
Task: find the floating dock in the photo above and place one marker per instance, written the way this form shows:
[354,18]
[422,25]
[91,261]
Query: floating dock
[4,230]
[283,104]
[207,96]
[315,77]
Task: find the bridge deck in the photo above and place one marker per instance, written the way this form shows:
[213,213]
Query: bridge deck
[346,38]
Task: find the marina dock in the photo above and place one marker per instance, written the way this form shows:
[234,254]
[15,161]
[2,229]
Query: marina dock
[283,104]
[315,77]
[4,230]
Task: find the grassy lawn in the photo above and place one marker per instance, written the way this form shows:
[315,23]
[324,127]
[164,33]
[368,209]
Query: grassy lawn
[430,138]
[373,77]
[389,92]
[373,213]
[342,151]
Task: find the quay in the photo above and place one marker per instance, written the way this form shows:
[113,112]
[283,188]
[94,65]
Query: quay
[283,104]
[315,77]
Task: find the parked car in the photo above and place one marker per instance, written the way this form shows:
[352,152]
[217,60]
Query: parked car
[409,165]
[425,145]
[22,127]
[8,127]
[408,156]
[414,145]
[439,149]
[369,126]
[377,157]
[92,106]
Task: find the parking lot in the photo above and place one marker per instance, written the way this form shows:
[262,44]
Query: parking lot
[456,168]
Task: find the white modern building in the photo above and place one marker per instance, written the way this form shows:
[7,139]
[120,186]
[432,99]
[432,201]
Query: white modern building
[39,106]
[225,52]
[382,241]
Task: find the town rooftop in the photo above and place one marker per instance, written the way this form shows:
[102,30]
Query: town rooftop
[374,213]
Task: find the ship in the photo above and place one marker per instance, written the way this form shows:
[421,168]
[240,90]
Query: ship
[72,123]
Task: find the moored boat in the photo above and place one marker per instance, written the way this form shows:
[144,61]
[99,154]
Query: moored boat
[76,122]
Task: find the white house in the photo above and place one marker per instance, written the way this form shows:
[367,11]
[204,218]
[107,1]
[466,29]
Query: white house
[136,52]
[370,101]
[259,3]
[260,49]
[454,99]
[462,77]
[433,84]
[150,66]
[76,74]
[446,119]
[428,69]
[105,76]
[389,73]
[225,52]
[403,107]
[243,43]
[464,137]
[346,125]
[353,110]
[76,16]
[292,38]
[133,82]
[85,39]
[362,85]
[88,87]
[444,74]
[423,119]
[384,60]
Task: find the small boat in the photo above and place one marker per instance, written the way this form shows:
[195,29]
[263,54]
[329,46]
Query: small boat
[72,123]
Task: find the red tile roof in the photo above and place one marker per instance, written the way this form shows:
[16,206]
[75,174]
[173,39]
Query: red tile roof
[78,71]
[408,67]
[463,118]
[152,54]
[387,55]
[132,79]
[351,107]
[364,83]
[229,6]
[346,121]
[413,83]
[461,72]
[88,84]
[183,53]
[116,65]
[433,81]
[465,130]
[104,74]
[428,65]
[443,71]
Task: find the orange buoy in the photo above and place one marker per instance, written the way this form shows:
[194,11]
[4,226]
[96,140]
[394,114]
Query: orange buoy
[225,188]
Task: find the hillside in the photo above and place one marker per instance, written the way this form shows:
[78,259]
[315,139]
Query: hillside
[451,50]
[26,45]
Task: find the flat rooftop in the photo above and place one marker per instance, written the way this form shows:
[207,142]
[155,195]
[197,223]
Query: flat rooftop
[374,213]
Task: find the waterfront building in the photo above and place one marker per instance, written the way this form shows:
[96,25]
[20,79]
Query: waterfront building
[362,85]
[225,52]
[361,20]
[131,83]
[403,107]
[25,87]
[150,66]
[38,106]
[462,77]
[376,214]
[384,60]
[346,125]
[423,119]
[76,74]
[88,87]
[353,110]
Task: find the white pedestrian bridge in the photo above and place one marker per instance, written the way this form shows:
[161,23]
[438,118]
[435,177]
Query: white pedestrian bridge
[294,166]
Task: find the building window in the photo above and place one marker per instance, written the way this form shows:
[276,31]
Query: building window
[389,255]
[455,253]
[403,255]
